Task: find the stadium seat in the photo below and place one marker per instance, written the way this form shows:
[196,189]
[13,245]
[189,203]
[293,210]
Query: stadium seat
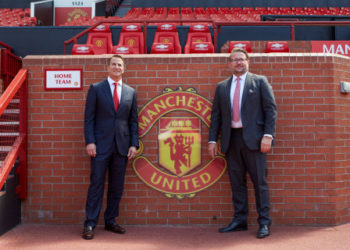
[240,44]
[82,49]
[201,47]
[162,48]
[132,36]
[122,49]
[167,33]
[101,39]
[198,33]
[280,46]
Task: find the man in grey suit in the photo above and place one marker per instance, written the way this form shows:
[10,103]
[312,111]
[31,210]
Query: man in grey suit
[111,136]
[244,110]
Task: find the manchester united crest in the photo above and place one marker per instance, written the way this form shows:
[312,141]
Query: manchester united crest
[180,172]
[179,143]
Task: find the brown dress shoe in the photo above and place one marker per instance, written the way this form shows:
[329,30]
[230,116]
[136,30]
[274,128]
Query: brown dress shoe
[88,233]
[115,228]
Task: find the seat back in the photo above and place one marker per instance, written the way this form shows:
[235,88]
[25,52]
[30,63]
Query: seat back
[101,39]
[82,49]
[280,46]
[122,49]
[198,33]
[162,48]
[246,45]
[202,47]
[132,36]
[167,33]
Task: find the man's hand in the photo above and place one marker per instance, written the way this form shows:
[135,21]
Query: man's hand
[132,152]
[266,143]
[212,150]
[91,149]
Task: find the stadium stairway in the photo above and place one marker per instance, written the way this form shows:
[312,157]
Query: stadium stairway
[124,8]
[10,204]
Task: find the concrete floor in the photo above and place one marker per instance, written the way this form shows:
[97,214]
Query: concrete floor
[47,237]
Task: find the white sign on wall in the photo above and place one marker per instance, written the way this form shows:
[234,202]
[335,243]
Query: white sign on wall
[61,79]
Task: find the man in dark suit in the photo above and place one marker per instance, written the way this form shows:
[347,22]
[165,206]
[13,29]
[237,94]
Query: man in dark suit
[111,137]
[244,110]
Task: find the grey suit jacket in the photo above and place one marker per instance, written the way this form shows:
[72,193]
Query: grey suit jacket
[258,112]
[104,126]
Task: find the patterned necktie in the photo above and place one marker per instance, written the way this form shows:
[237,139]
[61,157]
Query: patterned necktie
[236,97]
[115,97]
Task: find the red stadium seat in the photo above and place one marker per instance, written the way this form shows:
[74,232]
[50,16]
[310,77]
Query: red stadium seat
[240,44]
[82,49]
[167,33]
[202,47]
[101,39]
[198,33]
[132,36]
[162,48]
[122,49]
[280,46]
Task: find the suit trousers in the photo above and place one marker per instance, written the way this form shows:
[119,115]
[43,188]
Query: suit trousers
[116,166]
[240,160]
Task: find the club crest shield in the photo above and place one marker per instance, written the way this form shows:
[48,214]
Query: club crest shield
[178,142]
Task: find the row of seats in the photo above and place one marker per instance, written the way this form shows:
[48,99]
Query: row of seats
[235,14]
[16,17]
[271,47]
[131,40]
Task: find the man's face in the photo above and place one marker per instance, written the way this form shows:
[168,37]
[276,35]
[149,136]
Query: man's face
[115,68]
[239,63]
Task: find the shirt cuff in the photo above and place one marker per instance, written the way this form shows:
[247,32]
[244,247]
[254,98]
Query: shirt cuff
[268,135]
[212,142]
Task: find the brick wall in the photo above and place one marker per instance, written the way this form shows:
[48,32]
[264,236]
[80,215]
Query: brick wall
[309,172]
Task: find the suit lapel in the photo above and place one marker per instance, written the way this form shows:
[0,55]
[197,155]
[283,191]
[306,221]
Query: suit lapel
[228,92]
[106,89]
[124,95]
[247,84]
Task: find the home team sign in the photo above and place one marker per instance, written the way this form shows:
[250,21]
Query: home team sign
[59,79]
[179,171]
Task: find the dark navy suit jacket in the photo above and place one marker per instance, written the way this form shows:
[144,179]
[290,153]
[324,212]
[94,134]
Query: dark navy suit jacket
[104,126]
[258,112]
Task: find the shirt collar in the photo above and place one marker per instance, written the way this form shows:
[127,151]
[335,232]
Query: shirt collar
[242,77]
[111,81]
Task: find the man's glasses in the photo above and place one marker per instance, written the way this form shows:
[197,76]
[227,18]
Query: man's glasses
[237,60]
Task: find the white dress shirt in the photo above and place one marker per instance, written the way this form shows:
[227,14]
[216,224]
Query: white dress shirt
[119,87]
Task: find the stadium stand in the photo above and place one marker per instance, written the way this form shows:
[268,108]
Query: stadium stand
[16,17]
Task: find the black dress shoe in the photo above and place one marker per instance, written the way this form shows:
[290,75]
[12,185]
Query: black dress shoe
[233,227]
[264,231]
[115,228]
[88,233]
